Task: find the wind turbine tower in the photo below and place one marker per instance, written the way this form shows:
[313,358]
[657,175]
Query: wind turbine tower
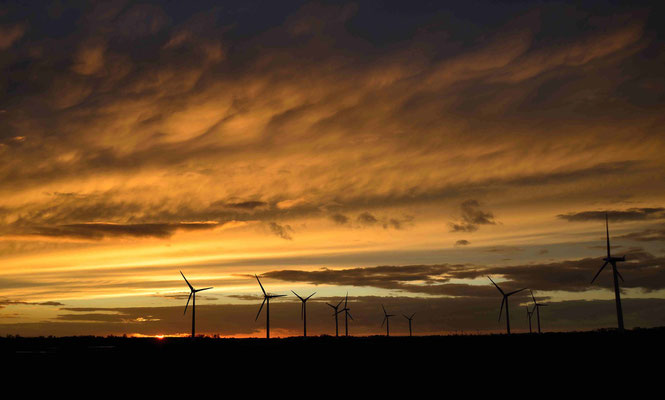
[266,301]
[410,319]
[303,311]
[192,296]
[615,274]
[505,301]
[386,320]
[537,309]
[335,312]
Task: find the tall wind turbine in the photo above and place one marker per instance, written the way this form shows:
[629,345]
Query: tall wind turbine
[529,314]
[386,320]
[303,311]
[335,312]
[537,308]
[347,315]
[410,320]
[192,296]
[615,273]
[505,301]
[266,301]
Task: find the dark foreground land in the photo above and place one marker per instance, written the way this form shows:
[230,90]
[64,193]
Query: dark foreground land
[631,343]
[522,359]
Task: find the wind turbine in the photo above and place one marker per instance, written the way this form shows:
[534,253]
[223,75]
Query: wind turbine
[266,301]
[615,273]
[537,308]
[410,320]
[529,314]
[303,311]
[335,312]
[386,320]
[505,300]
[192,296]
[347,315]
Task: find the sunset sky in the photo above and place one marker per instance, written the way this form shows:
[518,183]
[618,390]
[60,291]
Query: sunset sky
[400,151]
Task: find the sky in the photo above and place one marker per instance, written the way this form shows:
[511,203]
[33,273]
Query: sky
[400,152]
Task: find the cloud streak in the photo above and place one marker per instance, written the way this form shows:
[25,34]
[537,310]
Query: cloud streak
[630,214]
[643,271]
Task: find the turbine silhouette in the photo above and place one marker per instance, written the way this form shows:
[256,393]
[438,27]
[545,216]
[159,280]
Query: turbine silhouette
[505,301]
[347,315]
[529,314]
[192,296]
[615,273]
[386,320]
[303,311]
[335,312]
[266,301]
[410,320]
[537,309]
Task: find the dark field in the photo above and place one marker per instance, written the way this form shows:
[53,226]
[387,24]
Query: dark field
[570,363]
[463,349]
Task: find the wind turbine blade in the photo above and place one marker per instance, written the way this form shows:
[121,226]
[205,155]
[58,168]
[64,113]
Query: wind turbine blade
[405,316]
[384,321]
[263,290]
[346,299]
[200,290]
[277,295]
[260,308]
[412,315]
[497,286]
[501,309]
[296,295]
[619,273]
[190,297]
[308,297]
[183,276]
[534,299]
[384,310]
[598,273]
[349,314]
[331,306]
[338,304]
[515,291]
[607,227]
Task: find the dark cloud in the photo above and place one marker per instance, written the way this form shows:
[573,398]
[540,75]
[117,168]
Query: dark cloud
[397,223]
[247,297]
[472,217]
[504,249]
[6,302]
[646,235]
[641,271]
[102,230]
[11,33]
[283,231]
[243,205]
[340,219]
[183,296]
[630,214]
[462,242]
[366,219]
